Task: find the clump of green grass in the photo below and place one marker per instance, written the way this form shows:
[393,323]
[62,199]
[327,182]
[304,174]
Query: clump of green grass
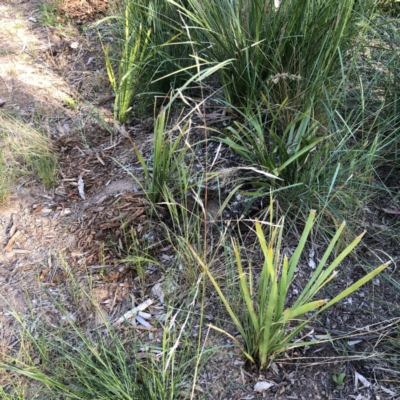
[165,168]
[338,175]
[49,13]
[149,48]
[134,56]
[293,52]
[5,179]
[260,141]
[26,152]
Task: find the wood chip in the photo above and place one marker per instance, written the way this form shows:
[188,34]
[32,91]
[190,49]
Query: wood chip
[13,229]
[21,251]
[81,186]
[12,241]
[99,266]
[359,378]
[143,322]
[37,209]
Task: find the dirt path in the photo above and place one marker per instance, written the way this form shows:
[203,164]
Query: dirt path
[46,76]
[34,92]
[42,71]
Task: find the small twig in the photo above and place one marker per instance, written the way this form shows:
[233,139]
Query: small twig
[348,335]
[9,88]
[113,145]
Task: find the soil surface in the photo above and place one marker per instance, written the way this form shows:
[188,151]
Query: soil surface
[83,222]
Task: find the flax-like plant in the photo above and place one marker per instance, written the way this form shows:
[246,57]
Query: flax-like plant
[267,323]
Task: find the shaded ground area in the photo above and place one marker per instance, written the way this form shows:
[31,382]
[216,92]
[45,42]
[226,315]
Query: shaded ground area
[96,216]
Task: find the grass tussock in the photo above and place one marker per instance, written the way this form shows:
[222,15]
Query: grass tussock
[26,153]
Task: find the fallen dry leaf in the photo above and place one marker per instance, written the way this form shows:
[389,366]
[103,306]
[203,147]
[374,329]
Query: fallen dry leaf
[395,212]
[13,228]
[362,379]
[263,386]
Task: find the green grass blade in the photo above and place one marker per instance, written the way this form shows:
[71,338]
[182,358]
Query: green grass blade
[282,289]
[324,275]
[245,289]
[355,286]
[307,293]
[305,308]
[219,291]
[264,346]
[294,260]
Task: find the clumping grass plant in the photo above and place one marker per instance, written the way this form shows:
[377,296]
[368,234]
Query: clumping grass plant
[134,55]
[260,141]
[267,324]
[294,51]
[25,152]
[149,49]
[165,168]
